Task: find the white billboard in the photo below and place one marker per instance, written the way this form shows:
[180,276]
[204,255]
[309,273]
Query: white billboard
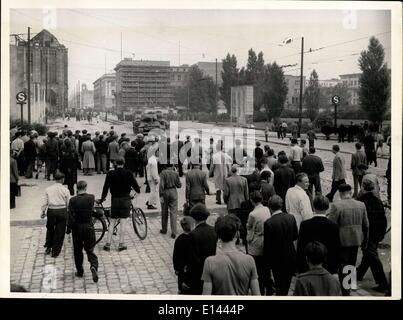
[242,104]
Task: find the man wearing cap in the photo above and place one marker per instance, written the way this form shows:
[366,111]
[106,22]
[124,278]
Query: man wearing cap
[120,182]
[113,150]
[368,176]
[203,241]
[377,228]
[101,150]
[30,156]
[196,185]
[358,158]
[235,190]
[95,140]
[54,206]
[312,165]
[139,146]
[339,172]
[351,217]
[169,182]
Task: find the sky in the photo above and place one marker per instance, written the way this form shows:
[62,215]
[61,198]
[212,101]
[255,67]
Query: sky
[93,37]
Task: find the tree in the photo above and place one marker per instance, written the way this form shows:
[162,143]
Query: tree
[251,68]
[374,89]
[312,96]
[274,90]
[230,78]
[201,91]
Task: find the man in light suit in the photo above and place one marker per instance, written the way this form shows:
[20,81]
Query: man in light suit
[196,185]
[351,217]
[235,190]
[339,172]
[152,178]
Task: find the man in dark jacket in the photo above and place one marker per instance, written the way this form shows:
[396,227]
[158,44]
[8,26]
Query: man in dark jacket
[377,229]
[52,154]
[319,228]
[280,232]
[80,223]
[131,158]
[312,165]
[176,157]
[120,182]
[102,148]
[196,186]
[30,156]
[204,244]
[139,146]
[284,178]
[357,159]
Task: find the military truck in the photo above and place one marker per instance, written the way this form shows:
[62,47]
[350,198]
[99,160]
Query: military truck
[148,122]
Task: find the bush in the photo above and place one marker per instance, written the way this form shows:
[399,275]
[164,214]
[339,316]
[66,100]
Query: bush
[40,128]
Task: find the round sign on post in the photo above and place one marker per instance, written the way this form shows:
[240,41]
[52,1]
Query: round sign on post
[336,99]
[21,96]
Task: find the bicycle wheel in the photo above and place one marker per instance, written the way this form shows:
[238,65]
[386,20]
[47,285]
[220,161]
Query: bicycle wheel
[99,228]
[139,223]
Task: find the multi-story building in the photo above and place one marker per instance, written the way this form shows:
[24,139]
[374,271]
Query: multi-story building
[209,69]
[142,84]
[352,82]
[49,76]
[179,76]
[87,97]
[293,84]
[104,89]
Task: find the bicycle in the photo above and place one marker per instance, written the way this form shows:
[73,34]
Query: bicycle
[101,222]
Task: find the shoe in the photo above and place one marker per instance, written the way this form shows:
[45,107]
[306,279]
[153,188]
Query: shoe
[54,255]
[94,274]
[107,247]
[173,236]
[163,232]
[150,207]
[79,274]
[48,251]
[122,247]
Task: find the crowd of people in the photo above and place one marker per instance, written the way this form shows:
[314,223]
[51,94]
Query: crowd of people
[276,212]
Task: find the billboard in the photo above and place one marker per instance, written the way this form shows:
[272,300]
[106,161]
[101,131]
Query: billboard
[242,104]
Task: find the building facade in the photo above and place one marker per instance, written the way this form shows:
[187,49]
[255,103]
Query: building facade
[49,75]
[104,90]
[209,69]
[87,97]
[352,82]
[293,85]
[142,84]
[180,76]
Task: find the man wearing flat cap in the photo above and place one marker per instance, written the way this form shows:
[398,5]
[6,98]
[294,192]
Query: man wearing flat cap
[203,242]
[351,217]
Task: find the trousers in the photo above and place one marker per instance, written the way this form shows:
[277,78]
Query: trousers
[357,181]
[55,229]
[263,273]
[101,163]
[314,181]
[282,280]
[169,206]
[348,257]
[84,238]
[370,259]
[335,186]
[152,200]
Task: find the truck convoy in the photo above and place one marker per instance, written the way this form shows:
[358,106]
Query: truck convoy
[148,121]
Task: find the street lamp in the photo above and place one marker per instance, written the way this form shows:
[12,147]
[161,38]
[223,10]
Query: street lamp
[288,41]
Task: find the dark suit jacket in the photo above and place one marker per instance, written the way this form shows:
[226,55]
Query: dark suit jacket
[376,216]
[280,232]
[284,178]
[196,185]
[30,150]
[320,229]
[312,165]
[204,244]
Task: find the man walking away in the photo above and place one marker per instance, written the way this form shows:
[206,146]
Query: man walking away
[235,191]
[152,178]
[169,182]
[377,229]
[102,149]
[30,156]
[295,155]
[120,182]
[312,165]
[351,217]
[80,224]
[339,173]
[357,159]
[55,206]
[196,186]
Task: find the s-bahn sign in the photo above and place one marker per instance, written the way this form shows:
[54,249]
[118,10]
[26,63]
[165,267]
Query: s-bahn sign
[21,97]
[335,99]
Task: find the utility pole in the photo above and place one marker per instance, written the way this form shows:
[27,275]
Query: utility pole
[29,74]
[216,87]
[46,86]
[301,87]
[179,63]
[121,36]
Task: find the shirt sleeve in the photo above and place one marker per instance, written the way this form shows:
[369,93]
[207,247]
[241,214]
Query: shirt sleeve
[206,276]
[45,202]
[306,209]
[106,187]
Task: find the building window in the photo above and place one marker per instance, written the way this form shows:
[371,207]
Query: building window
[179,77]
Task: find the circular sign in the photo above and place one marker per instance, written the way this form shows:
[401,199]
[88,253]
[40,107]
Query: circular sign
[21,96]
[336,99]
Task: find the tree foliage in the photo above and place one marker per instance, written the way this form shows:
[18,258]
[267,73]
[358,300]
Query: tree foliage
[230,78]
[274,90]
[312,96]
[374,81]
[201,91]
